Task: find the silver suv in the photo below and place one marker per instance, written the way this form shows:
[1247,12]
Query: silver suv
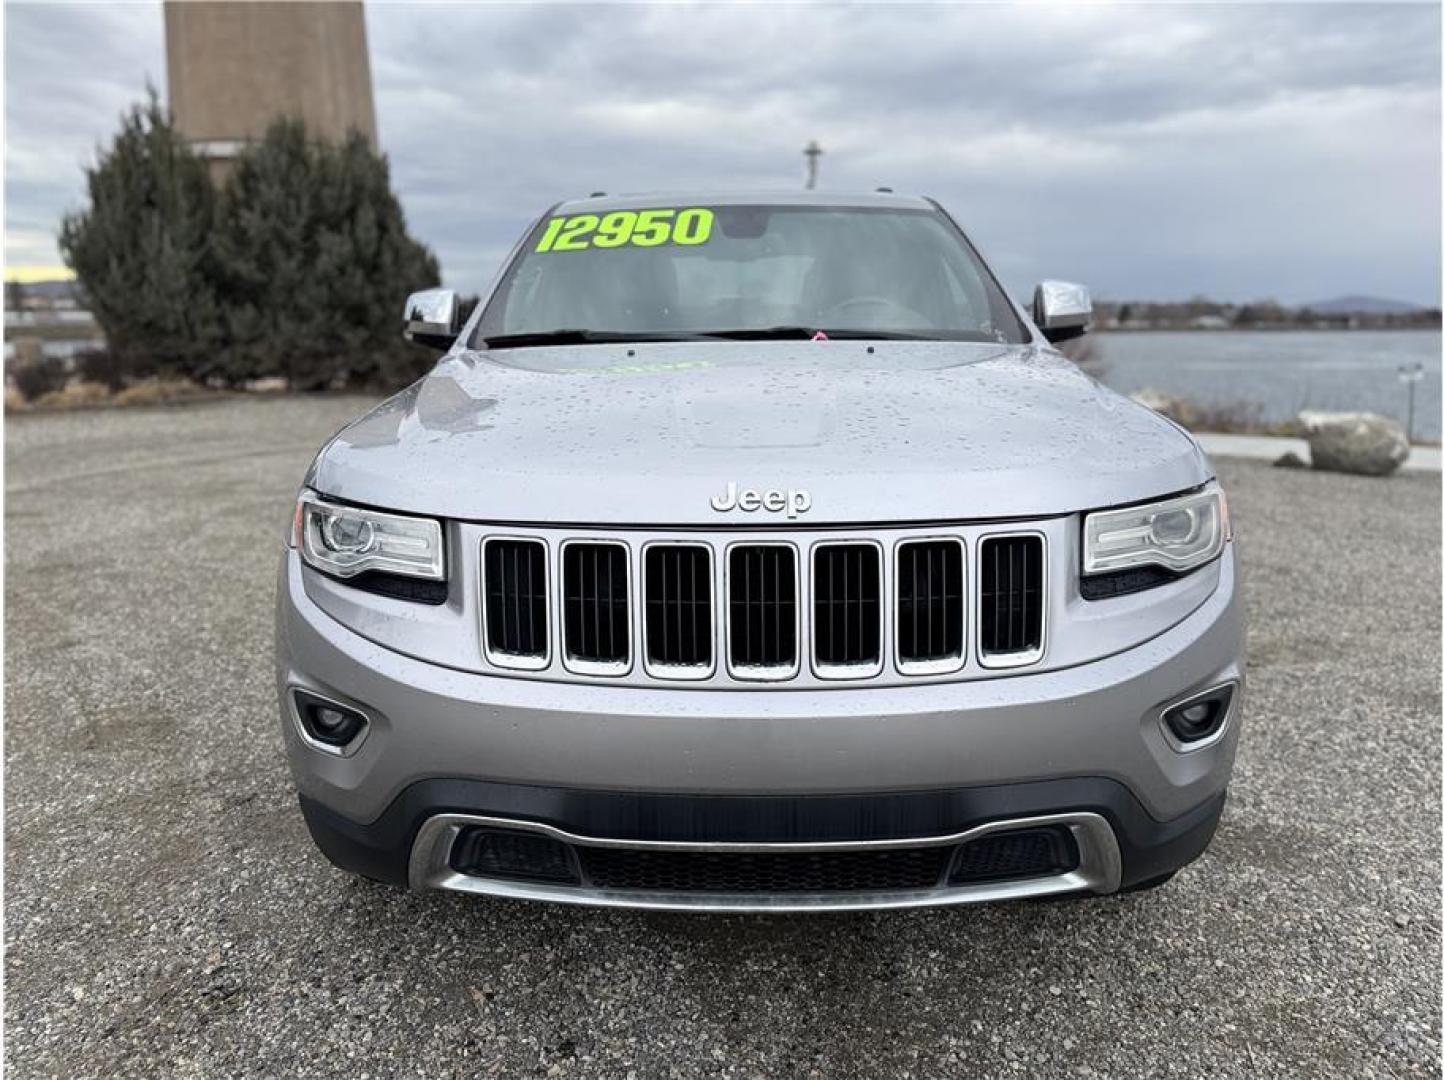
[758,553]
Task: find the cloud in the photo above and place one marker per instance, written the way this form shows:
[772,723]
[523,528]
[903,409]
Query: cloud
[1242,151]
[69,74]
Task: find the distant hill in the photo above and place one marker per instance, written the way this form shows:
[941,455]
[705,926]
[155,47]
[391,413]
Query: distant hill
[48,293]
[51,290]
[1362,305]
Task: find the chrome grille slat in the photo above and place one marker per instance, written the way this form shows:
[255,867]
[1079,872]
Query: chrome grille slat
[847,626]
[1011,588]
[932,614]
[763,610]
[514,587]
[595,611]
[677,579]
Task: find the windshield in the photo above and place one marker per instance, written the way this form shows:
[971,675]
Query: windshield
[682,272]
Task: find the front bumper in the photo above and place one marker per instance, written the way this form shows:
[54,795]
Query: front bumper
[1122,847]
[631,765]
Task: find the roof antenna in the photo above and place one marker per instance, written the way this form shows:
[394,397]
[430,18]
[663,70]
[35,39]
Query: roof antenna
[812,152]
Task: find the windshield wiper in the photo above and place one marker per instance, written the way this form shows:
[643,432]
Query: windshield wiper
[759,333]
[807,333]
[585,337]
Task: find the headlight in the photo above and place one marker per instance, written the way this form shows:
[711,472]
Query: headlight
[346,541]
[1178,534]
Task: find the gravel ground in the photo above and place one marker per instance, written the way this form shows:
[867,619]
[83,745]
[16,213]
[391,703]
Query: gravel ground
[167,914]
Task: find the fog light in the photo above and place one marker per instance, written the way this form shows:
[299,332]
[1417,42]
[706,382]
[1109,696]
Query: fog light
[1199,720]
[329,725]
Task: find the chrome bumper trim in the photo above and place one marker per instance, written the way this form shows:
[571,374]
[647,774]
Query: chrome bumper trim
[1099,869]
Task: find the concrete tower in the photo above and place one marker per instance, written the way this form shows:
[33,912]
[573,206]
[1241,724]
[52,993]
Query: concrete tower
[234,67]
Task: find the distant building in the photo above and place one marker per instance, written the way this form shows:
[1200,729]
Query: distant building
[234,67]
[1209,322]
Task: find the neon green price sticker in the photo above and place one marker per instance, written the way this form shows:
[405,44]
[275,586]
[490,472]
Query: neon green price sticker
[639,228]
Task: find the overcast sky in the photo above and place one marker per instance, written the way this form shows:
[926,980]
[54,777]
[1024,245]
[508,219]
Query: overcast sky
[1154,152]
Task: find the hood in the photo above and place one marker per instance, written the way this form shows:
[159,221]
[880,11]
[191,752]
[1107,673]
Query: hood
[653,433]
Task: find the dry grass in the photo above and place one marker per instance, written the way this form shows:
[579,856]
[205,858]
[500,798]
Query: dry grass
[74,395]
[163,392]
[83,394]
[1227,418]
[1236,419]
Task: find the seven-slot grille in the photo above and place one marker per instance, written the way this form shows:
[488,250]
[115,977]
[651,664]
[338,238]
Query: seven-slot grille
[678,605]
[847,608]
[515,582]
[1010,599]
[930,611]
[926,593]
[762,610]
[595,621]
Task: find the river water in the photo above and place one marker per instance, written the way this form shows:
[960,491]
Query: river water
[1281,372]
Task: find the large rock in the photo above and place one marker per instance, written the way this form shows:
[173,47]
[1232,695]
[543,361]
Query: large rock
[1364,443]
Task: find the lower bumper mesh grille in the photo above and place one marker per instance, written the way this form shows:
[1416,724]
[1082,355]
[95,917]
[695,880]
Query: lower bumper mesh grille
[517,855]
[508,854]
[1024,853]
[781,872]
[1067,852]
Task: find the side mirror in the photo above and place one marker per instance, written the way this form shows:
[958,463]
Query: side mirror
[430,318]
[1062,310]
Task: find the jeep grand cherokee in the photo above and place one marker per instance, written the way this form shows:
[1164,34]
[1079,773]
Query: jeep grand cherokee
[759,553]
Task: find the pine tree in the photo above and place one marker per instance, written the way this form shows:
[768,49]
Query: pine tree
[299,267]
[315,264]
[141,249]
